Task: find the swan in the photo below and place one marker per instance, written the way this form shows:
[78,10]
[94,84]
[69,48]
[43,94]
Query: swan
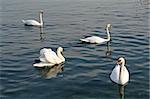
[120,74]
[50,58]
[47,55]
[96,39]
[34,22]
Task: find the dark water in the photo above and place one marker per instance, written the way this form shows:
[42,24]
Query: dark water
[85,74]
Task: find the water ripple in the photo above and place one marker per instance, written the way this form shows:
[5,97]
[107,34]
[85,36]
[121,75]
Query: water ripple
[86,71]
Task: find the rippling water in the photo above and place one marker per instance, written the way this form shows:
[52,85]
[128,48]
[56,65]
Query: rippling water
[85,75]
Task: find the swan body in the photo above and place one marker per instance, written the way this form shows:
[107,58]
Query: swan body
[120,74]
[96,39]
[31,23]
[50,58]
[34,22]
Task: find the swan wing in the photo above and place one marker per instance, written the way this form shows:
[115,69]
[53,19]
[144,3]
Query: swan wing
[31,22]
[93,39]
[47,55]
[42,56]
[44,50]
[55,57]
[114,76]
[50,57]
[42,59]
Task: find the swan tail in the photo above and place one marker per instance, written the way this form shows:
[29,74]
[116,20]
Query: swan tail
[84,40]
[23,21]
[43,64]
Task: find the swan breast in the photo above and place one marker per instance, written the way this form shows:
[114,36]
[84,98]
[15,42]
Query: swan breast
[116,73]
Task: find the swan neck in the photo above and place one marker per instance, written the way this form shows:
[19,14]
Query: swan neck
[121,73]
[41,18]
[108,34]
[59,54]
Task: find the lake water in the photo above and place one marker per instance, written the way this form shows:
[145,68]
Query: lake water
[85,74]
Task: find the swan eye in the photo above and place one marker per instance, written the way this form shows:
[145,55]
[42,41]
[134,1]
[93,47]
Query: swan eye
[119,61]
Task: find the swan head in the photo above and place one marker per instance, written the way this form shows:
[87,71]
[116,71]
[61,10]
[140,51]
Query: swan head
[60,49]
[108,26]
[121,61]
[41,11]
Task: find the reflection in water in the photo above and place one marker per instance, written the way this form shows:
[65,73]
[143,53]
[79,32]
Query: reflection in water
[42,38]
[50,72]
[121,91]
[108,49]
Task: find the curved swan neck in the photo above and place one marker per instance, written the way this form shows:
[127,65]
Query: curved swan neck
[108,34]
[121,73]
[59,54]
[41,18]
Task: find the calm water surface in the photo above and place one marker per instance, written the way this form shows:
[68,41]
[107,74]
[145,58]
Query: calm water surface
[85,74]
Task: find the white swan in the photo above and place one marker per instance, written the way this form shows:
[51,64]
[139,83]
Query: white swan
[96,39]
[34,22]
[120,74]
[50,58]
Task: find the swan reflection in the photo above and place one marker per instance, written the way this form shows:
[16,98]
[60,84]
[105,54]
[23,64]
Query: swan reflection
[108,49]
[50,72]
[42,38]
[121,91]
